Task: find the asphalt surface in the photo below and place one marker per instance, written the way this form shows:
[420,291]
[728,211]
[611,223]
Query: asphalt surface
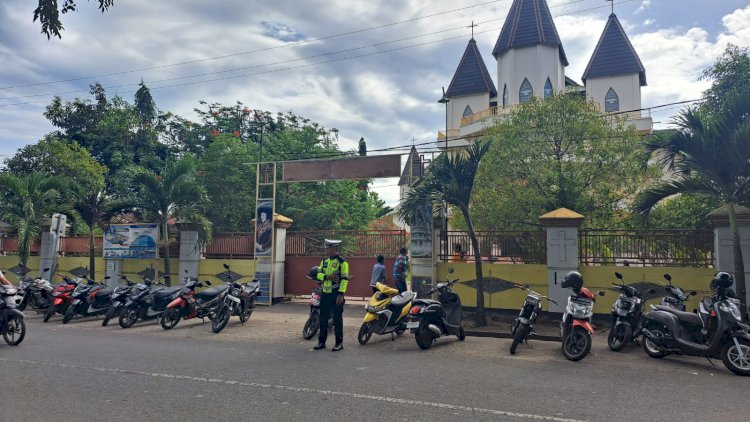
[266,371]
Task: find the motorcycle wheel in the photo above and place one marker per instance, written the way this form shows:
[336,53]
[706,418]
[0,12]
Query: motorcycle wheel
[518,337]
[651,348]
[245,315]
[51,311]
[311,326]
[619,337]
[128,318]
[170,318]
[423,336]
[15,331]
[737,360]
[461,333]
[220,320]
[108,316]
[69,314]
[22,305]
[577,344]
[365,332]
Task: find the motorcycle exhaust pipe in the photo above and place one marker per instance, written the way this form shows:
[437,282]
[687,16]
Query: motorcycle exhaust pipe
[435,329]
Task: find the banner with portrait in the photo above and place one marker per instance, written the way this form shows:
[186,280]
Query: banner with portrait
[263,228]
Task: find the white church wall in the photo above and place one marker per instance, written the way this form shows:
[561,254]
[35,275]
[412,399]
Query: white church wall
[627,87]
[457,105]
[536,63]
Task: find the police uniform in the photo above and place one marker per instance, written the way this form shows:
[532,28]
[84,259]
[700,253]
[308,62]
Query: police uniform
[333,265]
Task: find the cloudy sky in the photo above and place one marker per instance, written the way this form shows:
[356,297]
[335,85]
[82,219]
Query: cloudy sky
[368,68]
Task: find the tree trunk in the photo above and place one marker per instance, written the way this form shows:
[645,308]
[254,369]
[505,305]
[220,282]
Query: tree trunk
[739,263]
[167,268]
[481,314]
[92,258]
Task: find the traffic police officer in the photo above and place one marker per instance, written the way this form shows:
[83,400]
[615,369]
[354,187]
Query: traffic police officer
[334,275]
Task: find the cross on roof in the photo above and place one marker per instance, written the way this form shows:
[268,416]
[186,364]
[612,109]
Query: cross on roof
[472,26]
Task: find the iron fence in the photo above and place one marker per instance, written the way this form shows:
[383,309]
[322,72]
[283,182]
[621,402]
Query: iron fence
[647,248]
[513,247]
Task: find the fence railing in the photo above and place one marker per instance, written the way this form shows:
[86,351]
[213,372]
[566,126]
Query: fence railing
[354,243]
[690,248]
[231,245]
[513,247]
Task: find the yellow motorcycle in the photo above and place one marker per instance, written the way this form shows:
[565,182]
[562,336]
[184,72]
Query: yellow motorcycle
[386,313]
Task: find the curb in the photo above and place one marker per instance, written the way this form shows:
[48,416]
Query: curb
[491,334]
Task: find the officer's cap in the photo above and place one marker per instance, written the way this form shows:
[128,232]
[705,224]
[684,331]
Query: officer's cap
[330,242]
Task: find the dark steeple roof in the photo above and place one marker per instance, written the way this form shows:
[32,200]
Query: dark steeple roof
[472,76]
[415,163]
[614,55]
[529,23]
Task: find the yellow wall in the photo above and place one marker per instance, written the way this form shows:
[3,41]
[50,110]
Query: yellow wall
[533,275]
[207,268]
[601,278]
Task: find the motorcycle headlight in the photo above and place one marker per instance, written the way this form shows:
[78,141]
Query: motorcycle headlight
[731,309]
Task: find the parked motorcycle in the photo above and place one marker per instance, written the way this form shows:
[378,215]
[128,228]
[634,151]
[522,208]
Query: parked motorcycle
[676,297]
[12,325]
[576,329]
[627,316]
[36,292]
[147,302]
[523,326]
[238,300]
[89,299]
[62,297]
[430,319]
[716,331]
[118,300]
[387,312]
[312,325]
[190,304]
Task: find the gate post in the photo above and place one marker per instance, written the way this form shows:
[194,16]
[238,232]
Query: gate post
[562,251]
[50,245]
[190,254]
[724,240]
[281,223]
[423,258]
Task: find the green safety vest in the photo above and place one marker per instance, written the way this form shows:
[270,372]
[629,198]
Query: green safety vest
[334,265]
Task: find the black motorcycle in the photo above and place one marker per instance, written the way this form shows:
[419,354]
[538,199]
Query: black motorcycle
[523,326]
[430,319]
[147,302]
[89,299]
[676,297]
[12,325]
[36,292]
[190,304]
[119,298]
[238,301]
[627,315]
[716,331]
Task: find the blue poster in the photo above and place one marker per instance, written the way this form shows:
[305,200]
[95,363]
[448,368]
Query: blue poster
[131,241]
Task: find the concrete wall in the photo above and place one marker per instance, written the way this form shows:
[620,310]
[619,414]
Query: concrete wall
[536,63]
[627,87]
[497,277]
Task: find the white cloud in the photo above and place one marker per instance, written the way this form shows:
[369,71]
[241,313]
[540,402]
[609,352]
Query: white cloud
[649,22]
[645,4]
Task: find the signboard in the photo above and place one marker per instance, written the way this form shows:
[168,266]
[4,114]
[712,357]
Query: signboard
[131,241]
[344,168]
[264,228]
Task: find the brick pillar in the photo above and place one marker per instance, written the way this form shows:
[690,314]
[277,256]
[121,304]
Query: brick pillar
[724,240]
[562,252]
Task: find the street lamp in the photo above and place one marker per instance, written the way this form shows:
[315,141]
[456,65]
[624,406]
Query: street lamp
[445,101]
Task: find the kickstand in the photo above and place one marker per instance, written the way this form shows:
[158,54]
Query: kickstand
[393,336]
[710,361]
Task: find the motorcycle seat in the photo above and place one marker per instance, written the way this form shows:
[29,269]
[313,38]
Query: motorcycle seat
[169,291]
[104,292]
[426,302]
[686,317]
[403,298]
[211,293]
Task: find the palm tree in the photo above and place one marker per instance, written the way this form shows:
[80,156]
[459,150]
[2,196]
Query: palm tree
[173,193]
[707,154]
[449,181]
[28,201]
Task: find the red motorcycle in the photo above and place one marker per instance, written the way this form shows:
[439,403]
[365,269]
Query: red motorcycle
[576,329]
[62,297]
[190,304]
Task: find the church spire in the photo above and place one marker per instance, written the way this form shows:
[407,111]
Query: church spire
[614,55]
[471,76]
[529,23]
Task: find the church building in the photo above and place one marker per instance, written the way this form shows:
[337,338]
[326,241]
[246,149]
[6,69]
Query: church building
[531,61]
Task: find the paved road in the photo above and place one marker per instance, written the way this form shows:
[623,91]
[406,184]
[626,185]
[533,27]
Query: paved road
[265,371]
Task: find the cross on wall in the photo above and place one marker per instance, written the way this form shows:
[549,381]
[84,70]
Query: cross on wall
[561,242]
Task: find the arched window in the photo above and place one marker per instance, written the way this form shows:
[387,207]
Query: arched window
[547,88]
[611,101]
[505,96]
[468,112]
[526,91]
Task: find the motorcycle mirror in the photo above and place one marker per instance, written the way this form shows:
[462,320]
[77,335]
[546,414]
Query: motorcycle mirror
[107,277]
[693,293]
[45,270]
[601,293]
[186,271]
[618,275]
[226,267]
[667,277]
[451,270]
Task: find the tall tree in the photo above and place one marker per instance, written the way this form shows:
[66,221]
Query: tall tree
[450,181]
[558,152]
[48,13]
[172,194]
[29,200]
[730,72]
[708,154]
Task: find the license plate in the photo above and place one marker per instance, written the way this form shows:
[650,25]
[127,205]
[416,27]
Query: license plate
[413,324]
